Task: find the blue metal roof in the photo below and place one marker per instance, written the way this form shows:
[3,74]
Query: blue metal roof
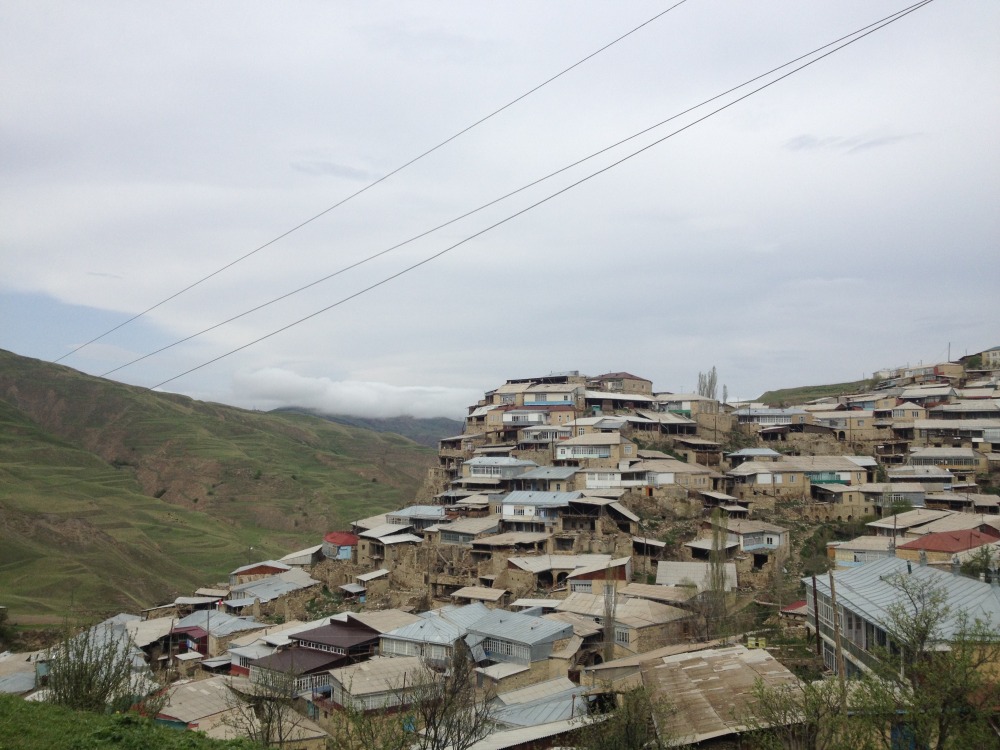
[520,628]
[541,498]
[874,588]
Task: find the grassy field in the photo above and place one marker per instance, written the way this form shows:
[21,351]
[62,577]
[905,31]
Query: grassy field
[793,396]
[37,726]
[112,498]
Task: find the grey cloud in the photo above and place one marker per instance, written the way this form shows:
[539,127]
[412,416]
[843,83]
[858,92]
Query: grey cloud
[278,387]
[329,168]
[808,142]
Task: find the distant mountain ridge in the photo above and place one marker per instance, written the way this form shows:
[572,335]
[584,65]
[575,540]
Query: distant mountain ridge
[425,431]
[120,497]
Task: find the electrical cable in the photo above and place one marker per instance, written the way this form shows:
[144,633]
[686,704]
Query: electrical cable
[370,185]
[855,38]
[488,204]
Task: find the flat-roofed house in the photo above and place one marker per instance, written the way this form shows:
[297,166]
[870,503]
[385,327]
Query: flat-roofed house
[382,683]
[639,624]
[595,450]
[434,636]
[622,382]
[518,644]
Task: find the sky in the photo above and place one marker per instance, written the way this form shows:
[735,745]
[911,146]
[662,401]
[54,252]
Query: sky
[839,221]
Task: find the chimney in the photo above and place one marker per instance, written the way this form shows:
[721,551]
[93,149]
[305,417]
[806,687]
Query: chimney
[956,566]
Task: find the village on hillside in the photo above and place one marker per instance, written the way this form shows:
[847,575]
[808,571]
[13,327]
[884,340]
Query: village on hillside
[588,537]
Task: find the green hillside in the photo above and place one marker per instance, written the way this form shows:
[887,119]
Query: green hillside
[804,394]
[112,497]
[28,725]
[425,431]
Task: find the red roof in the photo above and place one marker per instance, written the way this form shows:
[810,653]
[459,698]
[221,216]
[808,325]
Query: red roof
[341,539]
[952,541]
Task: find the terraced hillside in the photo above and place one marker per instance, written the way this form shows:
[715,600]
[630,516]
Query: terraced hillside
[117,497]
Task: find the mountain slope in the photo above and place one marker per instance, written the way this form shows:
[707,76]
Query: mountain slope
[425,431]
[116,496]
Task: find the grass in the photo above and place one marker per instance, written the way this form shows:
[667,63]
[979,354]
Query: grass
[38,726]
[792,396]
[112,498]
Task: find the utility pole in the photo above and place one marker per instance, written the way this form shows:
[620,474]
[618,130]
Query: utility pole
[841,669]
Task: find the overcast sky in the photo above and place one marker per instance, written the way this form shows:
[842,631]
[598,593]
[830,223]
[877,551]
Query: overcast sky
[842,220]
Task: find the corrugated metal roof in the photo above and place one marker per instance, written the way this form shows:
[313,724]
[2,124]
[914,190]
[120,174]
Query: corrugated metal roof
[498,461]
[481,593]
[541,563]
[419,511]
[441,626]
[549,472]
[543,499]
[624,511]
[712,690]
[385,529]
[365,577]
[553,701]
[219,623]
[519,628]
[401,539]
[869,590]
[381,674]
[525,735]
[677,573]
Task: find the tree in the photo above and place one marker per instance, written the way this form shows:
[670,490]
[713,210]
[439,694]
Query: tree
[714,597]
[452,713]
[430,711]
[263,711]
[805,716]
[633,719]
[938,671]
[97,670]
[707,383]
[934,685]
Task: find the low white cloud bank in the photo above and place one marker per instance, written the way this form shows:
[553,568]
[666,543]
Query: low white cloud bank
[271,388]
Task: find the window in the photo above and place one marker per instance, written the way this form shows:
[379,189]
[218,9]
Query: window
[628,450]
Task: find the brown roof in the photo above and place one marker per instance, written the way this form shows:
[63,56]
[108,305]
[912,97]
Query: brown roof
[952,541]
[628,375]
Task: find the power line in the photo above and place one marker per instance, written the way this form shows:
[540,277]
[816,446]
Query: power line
[488,204]
[851,39]
[370,185]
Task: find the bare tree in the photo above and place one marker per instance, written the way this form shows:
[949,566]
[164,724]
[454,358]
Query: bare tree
[429,710]
[452,713]
[264,711]
[610,608]
[714,597]
[708,383]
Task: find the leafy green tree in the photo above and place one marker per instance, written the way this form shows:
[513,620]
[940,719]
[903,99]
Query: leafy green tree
[633,719]
[935,685]
[939,672]
[97,670]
